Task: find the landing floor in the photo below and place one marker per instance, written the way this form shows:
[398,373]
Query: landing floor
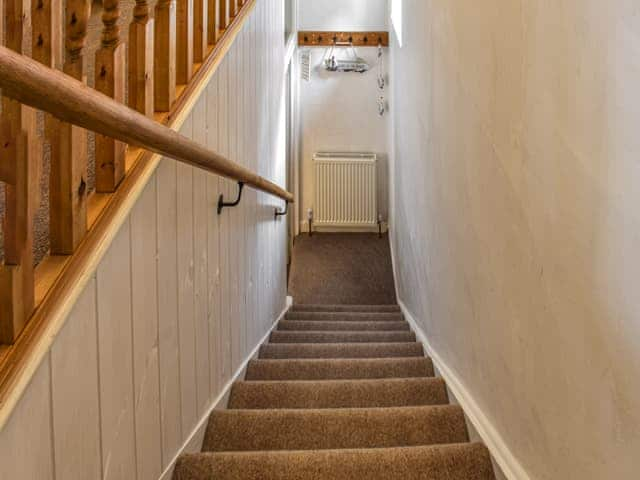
[342,268]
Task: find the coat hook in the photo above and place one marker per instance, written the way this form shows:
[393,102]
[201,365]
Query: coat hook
[222,204]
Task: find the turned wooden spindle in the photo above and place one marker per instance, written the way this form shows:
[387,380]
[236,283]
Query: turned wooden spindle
[20,156]
[233,8]
[223,18]
[200,27]
[164,67]
[184,41]
[110,80]
[141,59]
[68,177]
[213,23]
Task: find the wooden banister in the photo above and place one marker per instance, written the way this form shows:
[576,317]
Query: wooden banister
[33,84]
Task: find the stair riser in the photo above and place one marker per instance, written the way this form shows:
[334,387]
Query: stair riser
[298,325]
[270,370]
[346,350]
[338,394]
[341,337]
[346,308]
[346,316]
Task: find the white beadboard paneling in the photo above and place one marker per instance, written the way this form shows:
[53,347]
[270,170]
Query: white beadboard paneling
[115,360]
[201,212]
[26,450]
[144,292]
[213,246]
[186,293]
[224,226]
[178,301]
[74,364]
[167,281]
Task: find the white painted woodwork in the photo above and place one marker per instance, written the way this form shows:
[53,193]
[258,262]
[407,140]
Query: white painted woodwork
[74,356]
[115,359]
[167,280]
[146,367]
[186,292]
[172,311]
[26,449]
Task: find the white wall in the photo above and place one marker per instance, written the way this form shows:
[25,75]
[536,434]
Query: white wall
[338,111]
[355,15]
[516,226]
[178,302]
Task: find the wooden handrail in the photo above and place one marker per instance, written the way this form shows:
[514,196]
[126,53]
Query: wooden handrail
[70,100]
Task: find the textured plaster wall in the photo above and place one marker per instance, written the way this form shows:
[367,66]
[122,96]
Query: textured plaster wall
[516,217]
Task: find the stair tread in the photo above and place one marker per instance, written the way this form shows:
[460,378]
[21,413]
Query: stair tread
[344,308]
[336,369]
[346,316]
[295,336]
[338,393]
[325,325]
[311,429]
[468,461]
[340,350]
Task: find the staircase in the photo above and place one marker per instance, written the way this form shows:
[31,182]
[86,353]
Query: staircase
[344,393]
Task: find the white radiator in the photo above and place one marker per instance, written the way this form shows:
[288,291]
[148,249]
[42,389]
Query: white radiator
[346,190]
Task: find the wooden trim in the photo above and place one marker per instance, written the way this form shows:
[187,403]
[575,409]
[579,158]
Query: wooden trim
[358,39]
[20,361]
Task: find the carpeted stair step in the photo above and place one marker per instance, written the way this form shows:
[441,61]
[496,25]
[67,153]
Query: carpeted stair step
[396,392]
[342,326]
[346,316]
[340,350]
[339,369]
[345,308]
[341,337]
[469,461]
[325,429]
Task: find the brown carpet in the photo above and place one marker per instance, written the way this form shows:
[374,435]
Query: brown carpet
[342,269]
[324,402]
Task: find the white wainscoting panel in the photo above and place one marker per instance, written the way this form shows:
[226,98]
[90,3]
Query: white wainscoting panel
[178,302]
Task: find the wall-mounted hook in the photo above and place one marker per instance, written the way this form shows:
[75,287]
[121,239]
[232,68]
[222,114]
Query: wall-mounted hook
[280,213]
[222,204]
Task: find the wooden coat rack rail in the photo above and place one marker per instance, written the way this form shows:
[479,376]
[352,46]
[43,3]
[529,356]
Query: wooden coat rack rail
[358,39]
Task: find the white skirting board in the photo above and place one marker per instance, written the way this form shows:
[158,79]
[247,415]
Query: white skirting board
[193,443]
[506,465]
